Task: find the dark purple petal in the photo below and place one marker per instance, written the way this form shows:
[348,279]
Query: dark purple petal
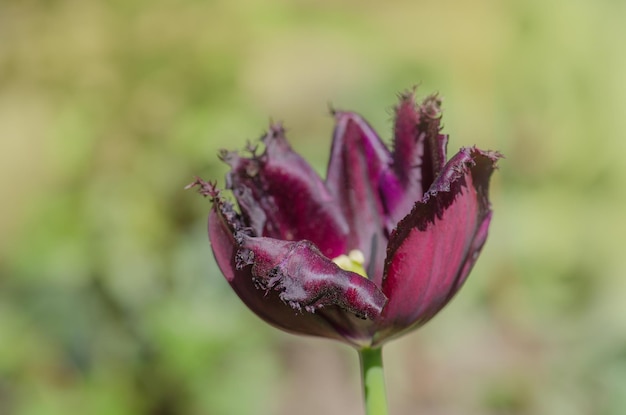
[291,285]
[419,150]
[359,175]
[282,197]
[267,306]
[433,249]
[307,280]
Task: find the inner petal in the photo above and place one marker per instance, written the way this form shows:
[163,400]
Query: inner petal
[358,173]
[282,197]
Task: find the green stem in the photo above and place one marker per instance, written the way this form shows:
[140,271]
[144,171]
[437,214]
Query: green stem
[373,380]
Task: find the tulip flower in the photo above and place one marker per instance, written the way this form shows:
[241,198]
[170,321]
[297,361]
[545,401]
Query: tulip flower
[373,251]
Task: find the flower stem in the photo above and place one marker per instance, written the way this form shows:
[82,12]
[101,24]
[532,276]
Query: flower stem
[373,380]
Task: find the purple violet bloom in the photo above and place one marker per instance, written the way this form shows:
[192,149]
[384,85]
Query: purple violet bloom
[370,253]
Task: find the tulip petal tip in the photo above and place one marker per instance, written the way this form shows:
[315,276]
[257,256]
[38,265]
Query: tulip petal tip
[206,189]
[431,106]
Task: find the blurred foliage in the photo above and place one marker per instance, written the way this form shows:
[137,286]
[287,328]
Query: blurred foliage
[110,302]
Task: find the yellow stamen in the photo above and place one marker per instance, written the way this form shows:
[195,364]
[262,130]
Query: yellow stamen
[352,262]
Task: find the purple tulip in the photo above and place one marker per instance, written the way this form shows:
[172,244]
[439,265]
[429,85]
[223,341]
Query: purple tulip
[373,251]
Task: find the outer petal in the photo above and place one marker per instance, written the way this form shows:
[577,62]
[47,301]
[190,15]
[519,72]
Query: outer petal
[359,171]
[290,284]
[306,279]
[433,249]
[280,194]
[419,150]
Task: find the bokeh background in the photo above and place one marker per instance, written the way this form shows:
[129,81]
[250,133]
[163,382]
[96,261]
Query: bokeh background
[110,302]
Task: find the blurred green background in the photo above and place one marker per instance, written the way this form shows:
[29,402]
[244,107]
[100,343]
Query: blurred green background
[110,302]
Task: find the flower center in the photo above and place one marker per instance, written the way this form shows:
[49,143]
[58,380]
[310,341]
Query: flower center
[352,262]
